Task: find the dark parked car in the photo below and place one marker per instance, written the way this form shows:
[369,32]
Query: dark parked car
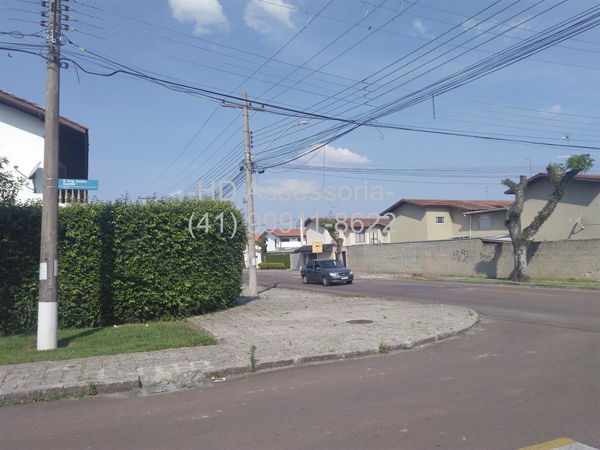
[325,271]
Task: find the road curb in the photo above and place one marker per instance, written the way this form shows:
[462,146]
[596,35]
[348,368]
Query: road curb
[197,378]
[474,280]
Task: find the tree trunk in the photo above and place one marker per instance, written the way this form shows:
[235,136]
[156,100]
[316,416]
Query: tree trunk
[339,240]
[521,238]
[520,271]
[338,250]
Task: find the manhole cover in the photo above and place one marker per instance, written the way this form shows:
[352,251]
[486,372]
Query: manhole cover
[359,321]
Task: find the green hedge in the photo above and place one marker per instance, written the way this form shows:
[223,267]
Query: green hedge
[123,262]
[270,265]
[19,266]
[283,258]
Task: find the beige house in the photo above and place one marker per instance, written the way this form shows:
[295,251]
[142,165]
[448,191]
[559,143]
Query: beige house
[355,231]
[577,215]
[426,220]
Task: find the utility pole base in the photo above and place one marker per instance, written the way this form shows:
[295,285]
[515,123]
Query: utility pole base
[47,338]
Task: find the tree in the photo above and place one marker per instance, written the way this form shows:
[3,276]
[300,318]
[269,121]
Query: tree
[332,228]
[559,176]
[10,184]
[262,243]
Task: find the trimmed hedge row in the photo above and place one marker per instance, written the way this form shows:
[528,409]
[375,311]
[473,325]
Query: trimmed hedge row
[270,265]
[283,258]
[123,262]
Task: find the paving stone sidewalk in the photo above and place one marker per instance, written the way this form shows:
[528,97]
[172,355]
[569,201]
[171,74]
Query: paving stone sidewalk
[286,326]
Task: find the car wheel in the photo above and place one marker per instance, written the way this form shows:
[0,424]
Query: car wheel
[349,282]
[325,281]
[304,279]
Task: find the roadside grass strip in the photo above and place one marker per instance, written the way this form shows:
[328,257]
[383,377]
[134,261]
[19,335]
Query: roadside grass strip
[114,340]
[559,444]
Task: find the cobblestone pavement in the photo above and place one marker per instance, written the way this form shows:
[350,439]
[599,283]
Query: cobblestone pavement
[285,326]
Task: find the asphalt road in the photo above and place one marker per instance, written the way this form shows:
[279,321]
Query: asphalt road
[530,373]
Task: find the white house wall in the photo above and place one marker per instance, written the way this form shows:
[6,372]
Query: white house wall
[274,243]
[271,242]
[22,142]
[322,235]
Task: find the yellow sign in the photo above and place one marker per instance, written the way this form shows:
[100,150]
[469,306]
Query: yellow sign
[317,247]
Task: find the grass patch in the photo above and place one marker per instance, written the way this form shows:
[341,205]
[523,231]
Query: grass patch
[384,348]
[84,342]
[571,282]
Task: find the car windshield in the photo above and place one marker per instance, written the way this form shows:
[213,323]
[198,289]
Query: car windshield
[329,264]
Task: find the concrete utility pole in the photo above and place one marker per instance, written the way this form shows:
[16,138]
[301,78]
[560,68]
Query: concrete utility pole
[248,166]
[48,300]
[252,278]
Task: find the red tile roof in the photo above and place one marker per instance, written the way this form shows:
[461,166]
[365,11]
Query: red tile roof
[466,205]
[356,221]
[283,232]
[543,175]
[35,110]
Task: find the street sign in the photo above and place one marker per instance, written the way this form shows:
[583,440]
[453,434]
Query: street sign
[317,247]
[73,183]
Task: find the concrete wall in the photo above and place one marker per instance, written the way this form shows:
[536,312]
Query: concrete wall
[577,216]
[472,257]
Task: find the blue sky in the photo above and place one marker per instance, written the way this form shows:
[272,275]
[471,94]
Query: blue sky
[146,139]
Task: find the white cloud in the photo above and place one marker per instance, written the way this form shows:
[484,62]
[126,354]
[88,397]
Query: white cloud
[419,26]
[554,109]
[287,189]
[260,15]
[207,15]
[333,156]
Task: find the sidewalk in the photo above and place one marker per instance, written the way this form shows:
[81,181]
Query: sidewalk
[287,327]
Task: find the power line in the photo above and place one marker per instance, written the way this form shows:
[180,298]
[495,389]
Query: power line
[573,26]
[272,57]
[198,38]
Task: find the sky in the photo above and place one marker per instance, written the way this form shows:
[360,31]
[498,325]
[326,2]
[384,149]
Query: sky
[340,87]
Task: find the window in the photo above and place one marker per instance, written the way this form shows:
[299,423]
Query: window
[285,239]
[485,222]
[439,219]
[359,237]
[330,264]
[373,236]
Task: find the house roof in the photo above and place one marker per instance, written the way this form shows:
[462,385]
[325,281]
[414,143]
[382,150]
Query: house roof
[283,232]
[543,175]
[366,222]
[466,205]
[35,110]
